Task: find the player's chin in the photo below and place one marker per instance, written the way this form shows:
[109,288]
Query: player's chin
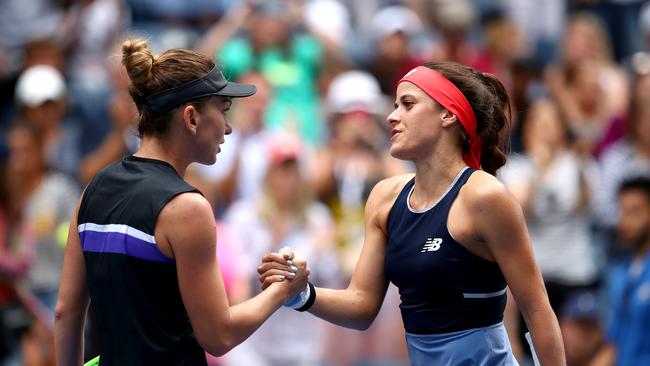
[208,160]
[397,153]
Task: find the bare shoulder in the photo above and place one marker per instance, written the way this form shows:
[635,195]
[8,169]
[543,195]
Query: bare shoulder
[388,189]
[382,197]
[184,204]
[188,219]
[489,202]
[483,190]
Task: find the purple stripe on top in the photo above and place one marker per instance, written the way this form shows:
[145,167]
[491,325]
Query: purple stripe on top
[120,243]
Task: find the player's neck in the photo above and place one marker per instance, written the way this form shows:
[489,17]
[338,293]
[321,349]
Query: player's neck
[155,148]
[433,178]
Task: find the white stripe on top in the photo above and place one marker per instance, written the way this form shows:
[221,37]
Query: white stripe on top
[484,295]
[117,228]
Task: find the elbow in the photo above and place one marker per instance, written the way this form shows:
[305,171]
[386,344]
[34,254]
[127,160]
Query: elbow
[60,312]
[363,323]
[363,313]
[218,346]
[364,319]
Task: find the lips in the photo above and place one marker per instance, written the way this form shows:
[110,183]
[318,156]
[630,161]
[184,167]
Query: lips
[394,132]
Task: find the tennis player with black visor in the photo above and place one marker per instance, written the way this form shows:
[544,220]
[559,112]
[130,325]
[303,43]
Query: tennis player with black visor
[142,242]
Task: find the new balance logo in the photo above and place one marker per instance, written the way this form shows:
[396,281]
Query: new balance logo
[431,245]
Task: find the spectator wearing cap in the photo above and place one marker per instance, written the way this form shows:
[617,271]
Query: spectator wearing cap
[41,98]
[581,330]
[454,20]
[627,341]
[285,215]
[354,157]
[392,29]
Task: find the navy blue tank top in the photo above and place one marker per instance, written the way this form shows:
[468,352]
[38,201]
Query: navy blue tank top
[443,286]
[139,312]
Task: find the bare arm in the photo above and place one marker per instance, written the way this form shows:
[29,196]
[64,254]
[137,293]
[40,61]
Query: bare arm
[511,322]
[187,225]
[72,303]
[606,356]
[223,30]
[357,305]
[499,221]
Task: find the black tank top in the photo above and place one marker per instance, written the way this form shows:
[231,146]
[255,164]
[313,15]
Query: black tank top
[443,286]
[133,287]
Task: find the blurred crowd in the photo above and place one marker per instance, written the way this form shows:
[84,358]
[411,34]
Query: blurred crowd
[307,148]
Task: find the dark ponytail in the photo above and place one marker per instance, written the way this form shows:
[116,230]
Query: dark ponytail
[491,105]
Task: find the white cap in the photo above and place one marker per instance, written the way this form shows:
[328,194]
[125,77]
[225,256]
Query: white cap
[38,84]
[329,17]
[455,14]
[395,18]
[355,91]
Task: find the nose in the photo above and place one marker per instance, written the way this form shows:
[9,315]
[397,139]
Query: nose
[393,117]
[228,128]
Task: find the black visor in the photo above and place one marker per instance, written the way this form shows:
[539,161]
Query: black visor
[213,83]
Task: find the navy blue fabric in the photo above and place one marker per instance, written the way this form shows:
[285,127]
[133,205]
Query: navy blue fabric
[443,286]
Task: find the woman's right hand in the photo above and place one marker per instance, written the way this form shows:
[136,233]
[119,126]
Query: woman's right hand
[285,266]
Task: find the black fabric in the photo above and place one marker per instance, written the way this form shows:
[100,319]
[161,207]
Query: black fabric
[139,313]
[311,300]
[213,83]
[433,271]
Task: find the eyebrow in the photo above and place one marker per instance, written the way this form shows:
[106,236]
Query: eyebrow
[402,97]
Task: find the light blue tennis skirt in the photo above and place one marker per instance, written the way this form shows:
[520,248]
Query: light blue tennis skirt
[480,346]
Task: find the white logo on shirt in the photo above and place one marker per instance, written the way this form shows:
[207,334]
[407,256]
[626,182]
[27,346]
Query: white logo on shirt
[432,245]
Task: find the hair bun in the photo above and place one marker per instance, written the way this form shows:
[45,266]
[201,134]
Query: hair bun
[138,61]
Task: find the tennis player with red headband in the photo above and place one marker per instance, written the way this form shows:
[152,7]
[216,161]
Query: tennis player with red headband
[451,238]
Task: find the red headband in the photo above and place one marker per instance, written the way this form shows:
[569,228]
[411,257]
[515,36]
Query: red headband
[447,95]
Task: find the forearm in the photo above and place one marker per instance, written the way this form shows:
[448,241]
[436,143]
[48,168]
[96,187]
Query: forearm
[605,356]
[68,337]
[244,319]
[511,321]
[546,336]
[347,308]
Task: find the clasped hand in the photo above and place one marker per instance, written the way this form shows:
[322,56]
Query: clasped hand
[286,267]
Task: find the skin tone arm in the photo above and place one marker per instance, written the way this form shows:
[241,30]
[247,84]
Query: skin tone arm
[511,322]
[499,223]
[357,306]
[72,303]
[605,357]
[186,226]
[224,29]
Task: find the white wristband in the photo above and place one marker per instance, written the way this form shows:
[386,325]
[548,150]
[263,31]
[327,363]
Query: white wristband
[300,299]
